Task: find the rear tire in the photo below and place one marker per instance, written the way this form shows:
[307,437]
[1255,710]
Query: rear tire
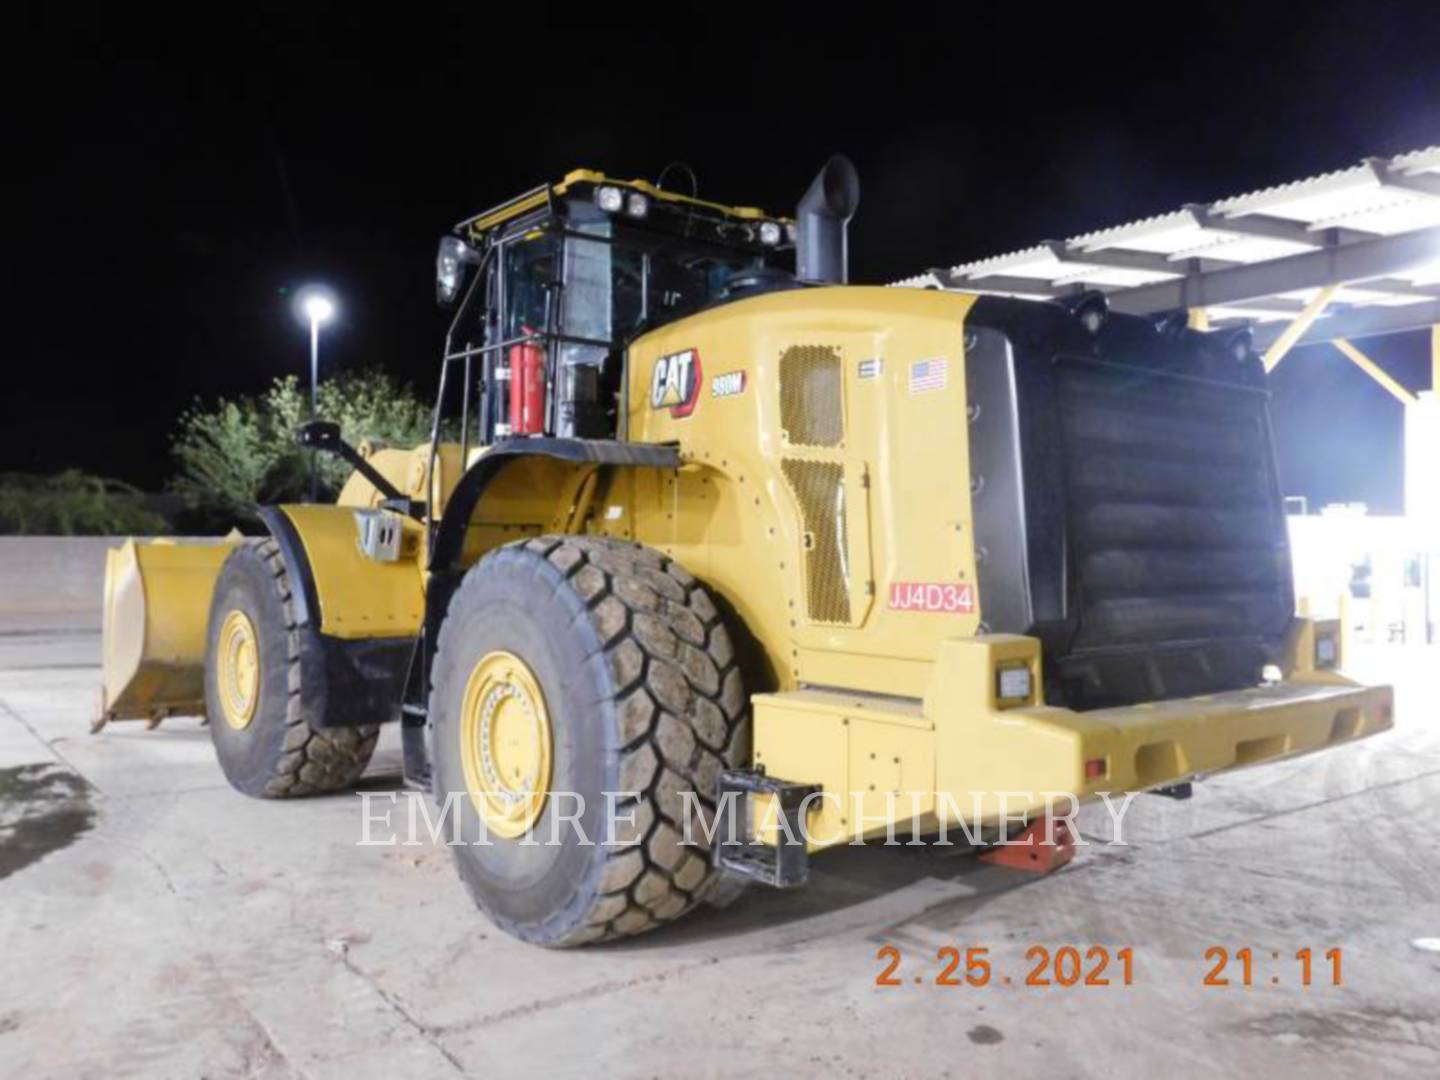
[265,742]
[643,695]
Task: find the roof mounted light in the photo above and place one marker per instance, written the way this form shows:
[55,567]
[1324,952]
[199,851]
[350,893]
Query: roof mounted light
[610,199]
[1239,343]
[636,205]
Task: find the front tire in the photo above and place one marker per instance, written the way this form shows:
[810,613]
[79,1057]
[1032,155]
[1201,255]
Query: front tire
[255,687]
[624,657]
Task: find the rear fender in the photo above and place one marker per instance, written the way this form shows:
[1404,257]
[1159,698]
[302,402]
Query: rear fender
[450,554]
[447,551]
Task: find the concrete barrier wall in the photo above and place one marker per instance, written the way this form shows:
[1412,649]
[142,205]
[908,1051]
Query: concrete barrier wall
[53,578]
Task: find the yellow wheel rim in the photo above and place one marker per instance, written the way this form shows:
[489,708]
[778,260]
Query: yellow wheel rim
[505,743]
[239,670]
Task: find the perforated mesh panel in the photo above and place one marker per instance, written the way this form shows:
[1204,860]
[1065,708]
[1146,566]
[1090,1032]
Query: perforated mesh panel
[811,396]
[819,488]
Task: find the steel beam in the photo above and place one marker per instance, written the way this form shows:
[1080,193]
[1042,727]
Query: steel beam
[1420,183]
[1349,264]
[1302,322]
[1262,225]
[1003,283]
[1375,371]
[1117,258]
[1360,322]
[1401,287]
[1270,303]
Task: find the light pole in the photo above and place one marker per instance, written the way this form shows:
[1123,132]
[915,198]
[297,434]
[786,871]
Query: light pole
[317,307]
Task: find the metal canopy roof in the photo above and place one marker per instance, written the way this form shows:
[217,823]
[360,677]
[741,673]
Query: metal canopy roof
[1349,253]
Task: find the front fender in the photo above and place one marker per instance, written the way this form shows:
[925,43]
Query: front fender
[358,619]
[340,591]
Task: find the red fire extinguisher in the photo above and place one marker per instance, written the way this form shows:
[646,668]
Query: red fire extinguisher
[527,388]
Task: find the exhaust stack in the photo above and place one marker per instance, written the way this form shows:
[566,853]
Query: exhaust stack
[822,220]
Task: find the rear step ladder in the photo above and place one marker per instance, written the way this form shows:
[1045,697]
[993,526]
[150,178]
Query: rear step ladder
[784,865]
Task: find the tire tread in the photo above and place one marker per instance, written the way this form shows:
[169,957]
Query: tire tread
[664,640]
[313,761]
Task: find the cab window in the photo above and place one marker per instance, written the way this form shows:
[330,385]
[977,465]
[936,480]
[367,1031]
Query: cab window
[530,277]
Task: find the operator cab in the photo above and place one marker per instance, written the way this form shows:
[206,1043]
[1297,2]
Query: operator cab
[549,287]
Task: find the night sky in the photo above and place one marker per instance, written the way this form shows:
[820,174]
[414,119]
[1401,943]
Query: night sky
[173,172]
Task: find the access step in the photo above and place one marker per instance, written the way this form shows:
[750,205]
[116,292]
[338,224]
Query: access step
[784,865]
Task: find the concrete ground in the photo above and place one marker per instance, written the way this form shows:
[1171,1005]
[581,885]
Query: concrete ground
[153,923]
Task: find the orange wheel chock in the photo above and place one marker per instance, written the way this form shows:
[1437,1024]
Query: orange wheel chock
[1028,850]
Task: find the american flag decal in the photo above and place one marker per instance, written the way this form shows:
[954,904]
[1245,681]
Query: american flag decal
[928,375]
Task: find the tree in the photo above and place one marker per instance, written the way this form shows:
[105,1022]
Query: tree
[239,455]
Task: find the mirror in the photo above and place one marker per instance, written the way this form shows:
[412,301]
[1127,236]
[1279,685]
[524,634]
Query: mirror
[451,262]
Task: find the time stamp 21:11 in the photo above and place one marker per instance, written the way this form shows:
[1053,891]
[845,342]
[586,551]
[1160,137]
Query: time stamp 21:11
[1098,965]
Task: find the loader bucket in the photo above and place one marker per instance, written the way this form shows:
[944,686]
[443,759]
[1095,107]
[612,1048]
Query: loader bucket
[157,604]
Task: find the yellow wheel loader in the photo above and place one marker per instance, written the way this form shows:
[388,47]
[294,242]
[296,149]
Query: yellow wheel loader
[715,532]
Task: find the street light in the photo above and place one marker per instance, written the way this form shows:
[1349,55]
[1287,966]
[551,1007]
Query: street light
[317,306]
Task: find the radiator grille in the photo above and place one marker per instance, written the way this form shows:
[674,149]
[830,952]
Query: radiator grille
[819,488]
[1174,531]
[811,396]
